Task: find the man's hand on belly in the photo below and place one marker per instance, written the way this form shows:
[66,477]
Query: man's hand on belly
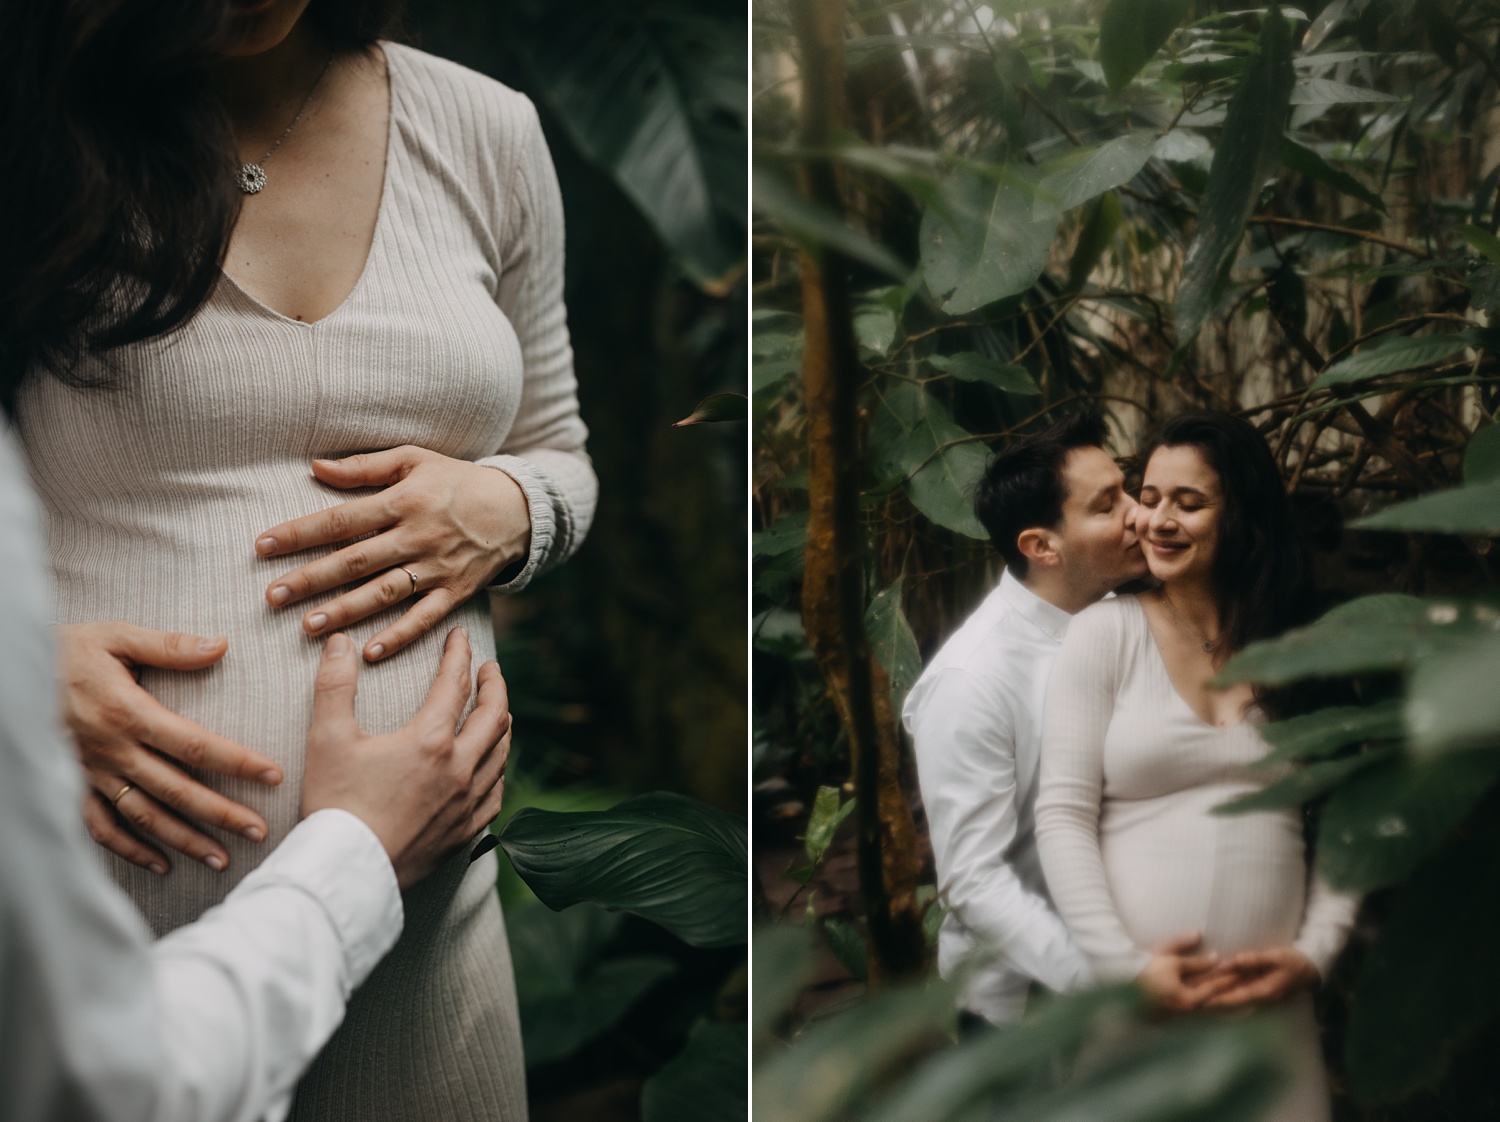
[123,734]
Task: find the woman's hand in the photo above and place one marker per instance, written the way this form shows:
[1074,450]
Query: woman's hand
[451,524]
[122,732]
[1178,981]
[1265,977]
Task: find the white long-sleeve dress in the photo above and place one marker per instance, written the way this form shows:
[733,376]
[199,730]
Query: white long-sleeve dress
[1131,852]
[454,339]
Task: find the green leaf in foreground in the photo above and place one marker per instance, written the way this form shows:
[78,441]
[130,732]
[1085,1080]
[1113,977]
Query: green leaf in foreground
[1075,178]
[967,366]
[1394,356]
[1372,633]
[1303,784]
[665,857]
[705,1083]
[1453,698]
[892,642]
[1130,34]
[567,994]
[1248,152]
[1316,735]
[1463,510]
[1482,456]
[913,439]
[781,961]
[1384,822]
[1482,240]
[985,244]
[1433,975]
[826,817]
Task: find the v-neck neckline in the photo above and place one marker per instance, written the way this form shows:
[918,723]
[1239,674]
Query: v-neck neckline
[380,217]
[1161,664]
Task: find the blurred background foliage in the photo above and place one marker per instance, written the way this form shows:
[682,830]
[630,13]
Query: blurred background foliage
[1000,211]
[627,666]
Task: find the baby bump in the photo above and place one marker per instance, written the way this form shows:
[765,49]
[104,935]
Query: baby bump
[1172,867]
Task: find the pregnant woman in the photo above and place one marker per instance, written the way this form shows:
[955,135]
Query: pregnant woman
[366,417]
[1138,749]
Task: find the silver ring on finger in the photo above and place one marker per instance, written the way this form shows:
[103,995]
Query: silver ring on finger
[413,576]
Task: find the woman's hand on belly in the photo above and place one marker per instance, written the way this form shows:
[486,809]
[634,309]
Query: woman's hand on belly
[450,524]
[122,733]
[1265,977]
[1177,980]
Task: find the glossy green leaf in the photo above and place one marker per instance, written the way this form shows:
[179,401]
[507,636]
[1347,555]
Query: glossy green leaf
[1482,240]
[967,366]
[1075,178]
[914,439]
[1248,152]
[824,821]
[668,858]
[1316,735]
[787,534]
[1432,977]
[705,1082]
[1378,827]
[1394,355]
[1453,698]
[1482,456]
[1305,161]
[657,97]
[717,407]
[1130,34]
[567,993]
[781,962]
[834,1063]
[984,244]
[1304,783]
[875,328]
[1462,510]
[892,642]
[1379,632]
[848,947]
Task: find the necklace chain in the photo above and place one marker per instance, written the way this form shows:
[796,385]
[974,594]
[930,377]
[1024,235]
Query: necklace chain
[1210,646]
[251,178]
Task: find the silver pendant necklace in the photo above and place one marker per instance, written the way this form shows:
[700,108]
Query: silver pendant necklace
[251,178]
[1210,646]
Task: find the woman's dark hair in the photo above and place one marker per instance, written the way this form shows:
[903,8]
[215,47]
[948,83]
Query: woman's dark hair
[1262,572]
[116,160]
[1023,486]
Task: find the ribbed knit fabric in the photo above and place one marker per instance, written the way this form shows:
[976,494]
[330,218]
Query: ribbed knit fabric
[1131,852]
[454,339]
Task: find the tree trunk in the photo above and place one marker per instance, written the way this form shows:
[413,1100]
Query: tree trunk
[833,583]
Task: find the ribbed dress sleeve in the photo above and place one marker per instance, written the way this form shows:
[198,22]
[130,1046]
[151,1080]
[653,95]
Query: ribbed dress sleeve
[1080,702]
[544,450]
[1326,923]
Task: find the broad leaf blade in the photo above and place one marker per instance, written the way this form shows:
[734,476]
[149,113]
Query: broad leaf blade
[1305,161]
[913,439]
[986,243]
[892,642]
[967,366]
[1079,176]
[1452,700]
[1393,356]
[1248,153]
[664,857]
[703,1083]
[1482,456]
[1316,735]
[1130,34]
[1463,510]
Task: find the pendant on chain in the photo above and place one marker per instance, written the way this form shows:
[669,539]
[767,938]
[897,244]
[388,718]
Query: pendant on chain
[251,178]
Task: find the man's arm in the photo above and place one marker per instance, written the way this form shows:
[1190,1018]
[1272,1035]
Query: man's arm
[966,763]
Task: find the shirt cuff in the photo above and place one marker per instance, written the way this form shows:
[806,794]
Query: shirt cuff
[337,860]
[539,506]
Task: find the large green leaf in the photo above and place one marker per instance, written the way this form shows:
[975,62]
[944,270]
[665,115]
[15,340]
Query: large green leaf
[1463,510]
[1452,700]
[826,817]
[1101,222]
[1394,355]
[656,95]
[567,993]
[781,962]
[1305,161]
[1130,34]
[985,244]
[1303,784]
[967,366]
[1325,91]
[1248,152]
[1075,178]
[1316,735]
[1482,456]
[1385,821]
[1433,975]
[665,857]
[914,439]
[892,642]
[816,226]
[705,1082]
[1380,632]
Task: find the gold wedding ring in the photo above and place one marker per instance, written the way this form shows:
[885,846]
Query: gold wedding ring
[121,795]
[411,574]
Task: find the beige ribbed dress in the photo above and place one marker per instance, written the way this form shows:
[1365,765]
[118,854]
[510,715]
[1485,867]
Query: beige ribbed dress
[454,339]
[1131,852]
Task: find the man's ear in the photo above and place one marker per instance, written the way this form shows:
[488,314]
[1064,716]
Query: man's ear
[1040,547]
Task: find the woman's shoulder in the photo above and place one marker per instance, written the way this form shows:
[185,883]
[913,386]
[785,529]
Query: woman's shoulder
[449,88]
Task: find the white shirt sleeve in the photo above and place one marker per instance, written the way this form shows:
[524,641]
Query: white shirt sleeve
[1080,701]
[966,764]
[218,1020]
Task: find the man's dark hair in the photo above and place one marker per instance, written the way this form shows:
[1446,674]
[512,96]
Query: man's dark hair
[1023,487]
